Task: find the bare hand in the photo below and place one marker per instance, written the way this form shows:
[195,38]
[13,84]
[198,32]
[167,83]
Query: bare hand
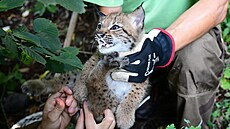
[88,120]
[58,110]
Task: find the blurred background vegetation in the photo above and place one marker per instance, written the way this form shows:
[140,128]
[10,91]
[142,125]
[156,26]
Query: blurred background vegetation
[31,37]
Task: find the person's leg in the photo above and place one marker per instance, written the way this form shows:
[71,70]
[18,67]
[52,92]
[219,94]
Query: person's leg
[195,75]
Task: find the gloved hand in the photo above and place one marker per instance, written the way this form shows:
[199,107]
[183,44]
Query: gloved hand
[156,50]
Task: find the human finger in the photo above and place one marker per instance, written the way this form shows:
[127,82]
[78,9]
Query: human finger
[57,111]
[53,97]
[108,122]
[69,100]
[89,119]
[73,108]
[109,118]
[63,92]
[80,122]
[67,90]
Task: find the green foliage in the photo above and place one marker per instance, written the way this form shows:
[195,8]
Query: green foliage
[50,5]
[11,79]
[189,126]
[172,126]
[225,81]
[73,5]
[42,46]
[40,8]
[221,115]
[226,28]
[10,4]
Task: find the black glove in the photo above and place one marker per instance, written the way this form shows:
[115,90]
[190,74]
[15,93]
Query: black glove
[157,51]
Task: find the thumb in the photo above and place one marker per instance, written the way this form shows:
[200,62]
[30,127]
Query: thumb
[58,109]
[109,121]
[122,75]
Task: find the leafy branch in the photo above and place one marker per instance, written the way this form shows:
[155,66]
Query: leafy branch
[43,45]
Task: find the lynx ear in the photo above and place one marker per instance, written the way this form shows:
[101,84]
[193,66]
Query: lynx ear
[99,13]
[137,17]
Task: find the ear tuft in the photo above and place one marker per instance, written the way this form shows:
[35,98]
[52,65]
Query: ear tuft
[137,17]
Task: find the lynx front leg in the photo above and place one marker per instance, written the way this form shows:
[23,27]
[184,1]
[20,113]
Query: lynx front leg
[80,92]
[125,113]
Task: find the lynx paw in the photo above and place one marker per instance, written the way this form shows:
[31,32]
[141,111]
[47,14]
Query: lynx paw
[114,60]
[124,119]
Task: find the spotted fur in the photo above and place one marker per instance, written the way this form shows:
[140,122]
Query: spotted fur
[116,33]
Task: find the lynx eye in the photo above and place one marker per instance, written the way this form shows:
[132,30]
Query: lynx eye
[115,27]
[99,26]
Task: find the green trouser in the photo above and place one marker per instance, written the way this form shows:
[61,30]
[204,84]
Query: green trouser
[195,76]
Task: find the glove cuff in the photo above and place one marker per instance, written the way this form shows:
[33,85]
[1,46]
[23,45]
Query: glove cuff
[166,41]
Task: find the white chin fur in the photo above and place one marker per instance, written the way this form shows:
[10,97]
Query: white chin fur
[116,48]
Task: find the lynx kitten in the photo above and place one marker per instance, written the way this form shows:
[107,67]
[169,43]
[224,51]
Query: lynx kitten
[116,33]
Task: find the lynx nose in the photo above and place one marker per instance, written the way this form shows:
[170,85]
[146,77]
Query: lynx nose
[101,35]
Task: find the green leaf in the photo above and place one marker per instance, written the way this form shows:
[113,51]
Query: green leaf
[10,4]
[26,59]
[73,5]
[52,8]
[226,32]
[69,59]
[172,126]
[227,73]
[225,84]
[72,50]
[53,44]
[11,46]
[48,34]
[39,8]
[22,28]
[42,51]
[48,2]
[42,25]
[27,36]
[34,55]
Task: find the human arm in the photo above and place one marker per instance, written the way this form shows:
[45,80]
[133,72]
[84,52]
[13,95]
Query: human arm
[196,21]
[193,23]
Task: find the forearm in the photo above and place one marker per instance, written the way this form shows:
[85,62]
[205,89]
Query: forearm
[108,10]
[196,21]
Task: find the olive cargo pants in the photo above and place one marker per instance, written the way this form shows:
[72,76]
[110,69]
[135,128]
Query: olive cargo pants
[187,89]
[195,75]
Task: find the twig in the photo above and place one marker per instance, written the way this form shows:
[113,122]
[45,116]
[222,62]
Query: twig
[70,30]
[85,52]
